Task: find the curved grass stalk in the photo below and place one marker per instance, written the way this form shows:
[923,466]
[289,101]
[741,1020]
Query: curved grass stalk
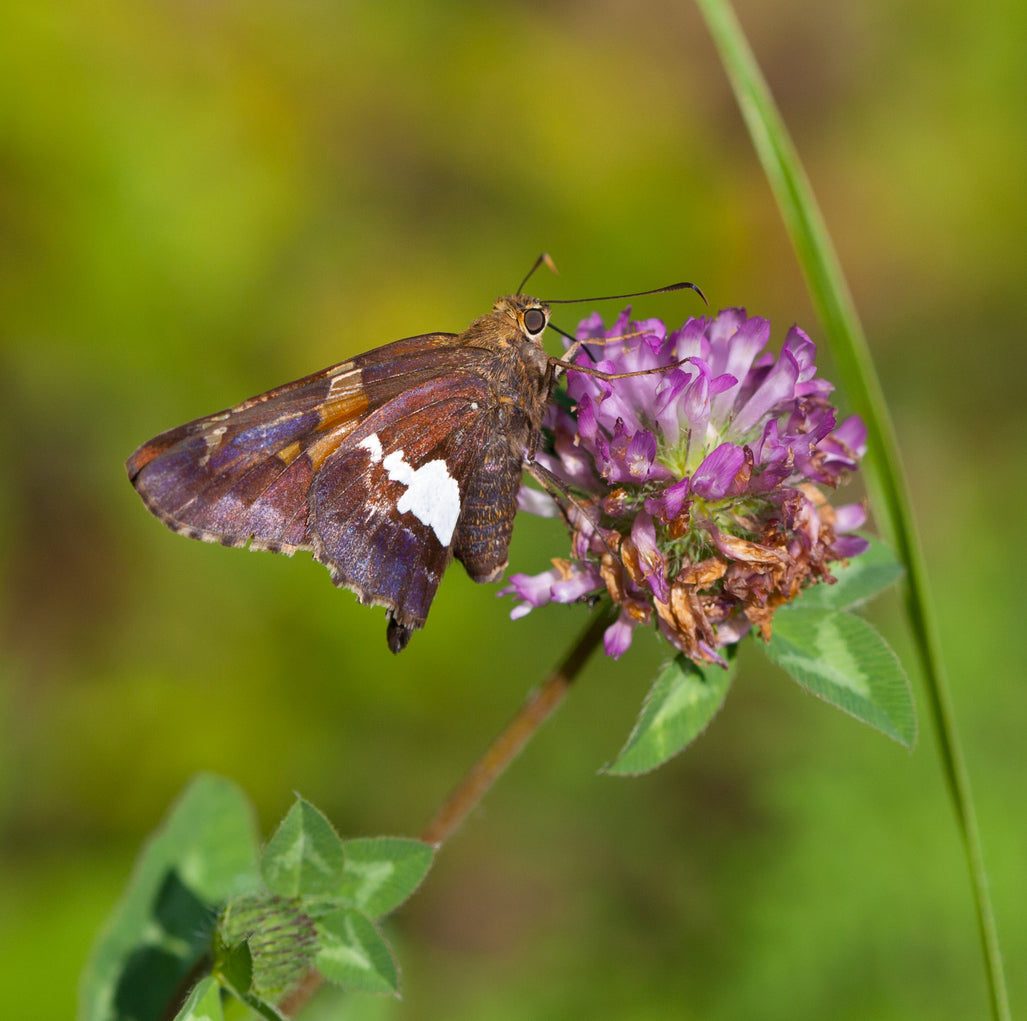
[883,469]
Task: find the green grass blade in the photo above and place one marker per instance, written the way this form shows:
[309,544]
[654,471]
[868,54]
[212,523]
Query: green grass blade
[885,478]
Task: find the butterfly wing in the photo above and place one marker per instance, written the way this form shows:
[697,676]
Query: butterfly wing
[388,507]
[362,464]
[242,475]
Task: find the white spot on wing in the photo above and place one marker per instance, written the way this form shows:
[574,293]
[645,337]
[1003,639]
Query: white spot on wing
[373,446]
[432,495]
[398,469]
[212,438]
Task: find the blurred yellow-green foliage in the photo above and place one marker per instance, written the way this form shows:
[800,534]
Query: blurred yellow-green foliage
[201,200]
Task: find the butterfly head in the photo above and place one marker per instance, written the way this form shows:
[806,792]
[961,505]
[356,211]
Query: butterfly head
[529,316]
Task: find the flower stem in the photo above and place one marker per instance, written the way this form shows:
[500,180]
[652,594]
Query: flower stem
[536,710]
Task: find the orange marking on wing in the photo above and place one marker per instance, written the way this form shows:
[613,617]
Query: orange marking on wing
[290,453]
[329,443]
[346,399]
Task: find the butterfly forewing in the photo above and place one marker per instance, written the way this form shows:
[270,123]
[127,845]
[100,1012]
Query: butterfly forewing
[242,474]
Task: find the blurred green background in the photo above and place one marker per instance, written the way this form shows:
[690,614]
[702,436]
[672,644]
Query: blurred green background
[201,200]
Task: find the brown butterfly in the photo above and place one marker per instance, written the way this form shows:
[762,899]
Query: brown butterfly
[384,467]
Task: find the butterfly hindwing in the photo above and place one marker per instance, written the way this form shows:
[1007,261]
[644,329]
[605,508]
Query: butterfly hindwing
[388,507]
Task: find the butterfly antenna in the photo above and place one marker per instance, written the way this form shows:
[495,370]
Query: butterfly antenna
[684,285]
[543,259]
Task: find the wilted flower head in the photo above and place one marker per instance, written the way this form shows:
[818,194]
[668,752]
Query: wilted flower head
[695,487]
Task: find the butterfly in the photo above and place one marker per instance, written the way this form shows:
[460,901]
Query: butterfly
[385,467]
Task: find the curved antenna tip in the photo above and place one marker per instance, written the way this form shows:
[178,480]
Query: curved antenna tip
[683,285]
[545,259]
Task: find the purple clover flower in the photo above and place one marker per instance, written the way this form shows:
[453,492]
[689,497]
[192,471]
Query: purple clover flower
[696,490]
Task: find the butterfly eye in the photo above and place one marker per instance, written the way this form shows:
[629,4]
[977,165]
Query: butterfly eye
[534,321]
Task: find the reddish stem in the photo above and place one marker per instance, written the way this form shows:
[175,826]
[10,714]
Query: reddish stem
[486,771]
[535,711]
